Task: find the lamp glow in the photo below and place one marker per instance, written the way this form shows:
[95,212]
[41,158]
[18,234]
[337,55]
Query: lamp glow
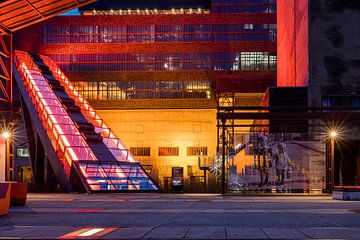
[333,133]
[6,135]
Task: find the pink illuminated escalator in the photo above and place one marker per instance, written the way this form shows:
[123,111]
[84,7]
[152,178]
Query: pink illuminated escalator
[82,142]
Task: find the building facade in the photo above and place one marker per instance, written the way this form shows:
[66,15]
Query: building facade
[320,46]
[152,73]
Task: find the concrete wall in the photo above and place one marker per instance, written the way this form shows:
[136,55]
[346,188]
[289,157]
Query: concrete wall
[292,51]
[334,54]
[165,128]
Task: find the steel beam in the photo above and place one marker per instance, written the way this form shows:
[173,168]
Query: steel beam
[6,70]
[291,115]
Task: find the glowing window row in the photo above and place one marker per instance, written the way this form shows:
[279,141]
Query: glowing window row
[160,33]
[144,90]
[169,151]
[166,61]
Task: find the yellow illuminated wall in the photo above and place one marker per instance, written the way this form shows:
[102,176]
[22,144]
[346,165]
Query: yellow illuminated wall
[165,128]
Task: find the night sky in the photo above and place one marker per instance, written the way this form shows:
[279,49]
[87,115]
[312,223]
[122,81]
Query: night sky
[143,4]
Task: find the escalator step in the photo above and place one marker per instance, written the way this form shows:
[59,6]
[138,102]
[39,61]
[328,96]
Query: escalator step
[92,137]
[50,77]
[39,64]
[72,108]
[67,101]
[43,67]
[54,83]
[84,127]
[58,88]
[44,71]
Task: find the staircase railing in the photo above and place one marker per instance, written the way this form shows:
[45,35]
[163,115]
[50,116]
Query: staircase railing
[117,148]
[65,137]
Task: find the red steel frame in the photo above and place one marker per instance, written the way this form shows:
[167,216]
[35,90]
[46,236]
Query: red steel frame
[109,138]
[6,69]
[69,144]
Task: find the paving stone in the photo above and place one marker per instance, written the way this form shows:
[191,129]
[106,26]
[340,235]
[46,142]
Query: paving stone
[167,233]
[128,233]
[284,233]
[323,233]
[16,231]
[48,232]
[352,233]
[245,233]
[206,233]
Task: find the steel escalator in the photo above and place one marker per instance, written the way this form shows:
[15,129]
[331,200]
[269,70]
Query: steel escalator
[86,148]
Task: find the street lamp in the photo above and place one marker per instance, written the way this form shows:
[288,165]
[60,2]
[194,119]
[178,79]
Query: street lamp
[333,135]
[6,135]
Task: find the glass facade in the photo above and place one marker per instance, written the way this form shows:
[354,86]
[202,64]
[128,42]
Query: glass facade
[166,61]
[160,33]
[278,163]
[243,6]
[115,90]
[341,101]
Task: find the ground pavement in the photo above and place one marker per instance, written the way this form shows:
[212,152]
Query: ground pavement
[181,216]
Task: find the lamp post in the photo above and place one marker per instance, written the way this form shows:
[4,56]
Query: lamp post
[333,135]
[7,135]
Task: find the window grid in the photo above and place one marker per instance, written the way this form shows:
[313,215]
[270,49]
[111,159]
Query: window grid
[140,151]
[144,90]
[168,151]
[197,151]
[166,61]
[160,33]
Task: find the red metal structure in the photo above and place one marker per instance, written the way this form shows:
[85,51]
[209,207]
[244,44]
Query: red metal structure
[81,145]
[106,49]
[15,15]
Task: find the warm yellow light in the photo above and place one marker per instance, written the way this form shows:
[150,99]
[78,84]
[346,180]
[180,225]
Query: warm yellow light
[333,133]
[91,232]
[6,135]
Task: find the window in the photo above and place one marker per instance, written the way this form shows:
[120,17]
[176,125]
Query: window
[265,31]
[140,151]
[196,151]
[22,152]
[122,90]
[168,151]
[166,61]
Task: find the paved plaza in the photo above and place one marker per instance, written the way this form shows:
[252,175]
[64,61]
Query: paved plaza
[183,216]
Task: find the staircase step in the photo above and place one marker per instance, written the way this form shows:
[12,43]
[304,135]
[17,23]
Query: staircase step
[72,108]
[84,127]
[53,83]
[67,101]
[58,88]
[50,77]
[92,136]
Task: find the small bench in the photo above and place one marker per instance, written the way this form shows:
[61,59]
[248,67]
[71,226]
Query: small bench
[4,198]
[346,193]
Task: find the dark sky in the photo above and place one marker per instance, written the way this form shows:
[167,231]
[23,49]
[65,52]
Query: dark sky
[143,4]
